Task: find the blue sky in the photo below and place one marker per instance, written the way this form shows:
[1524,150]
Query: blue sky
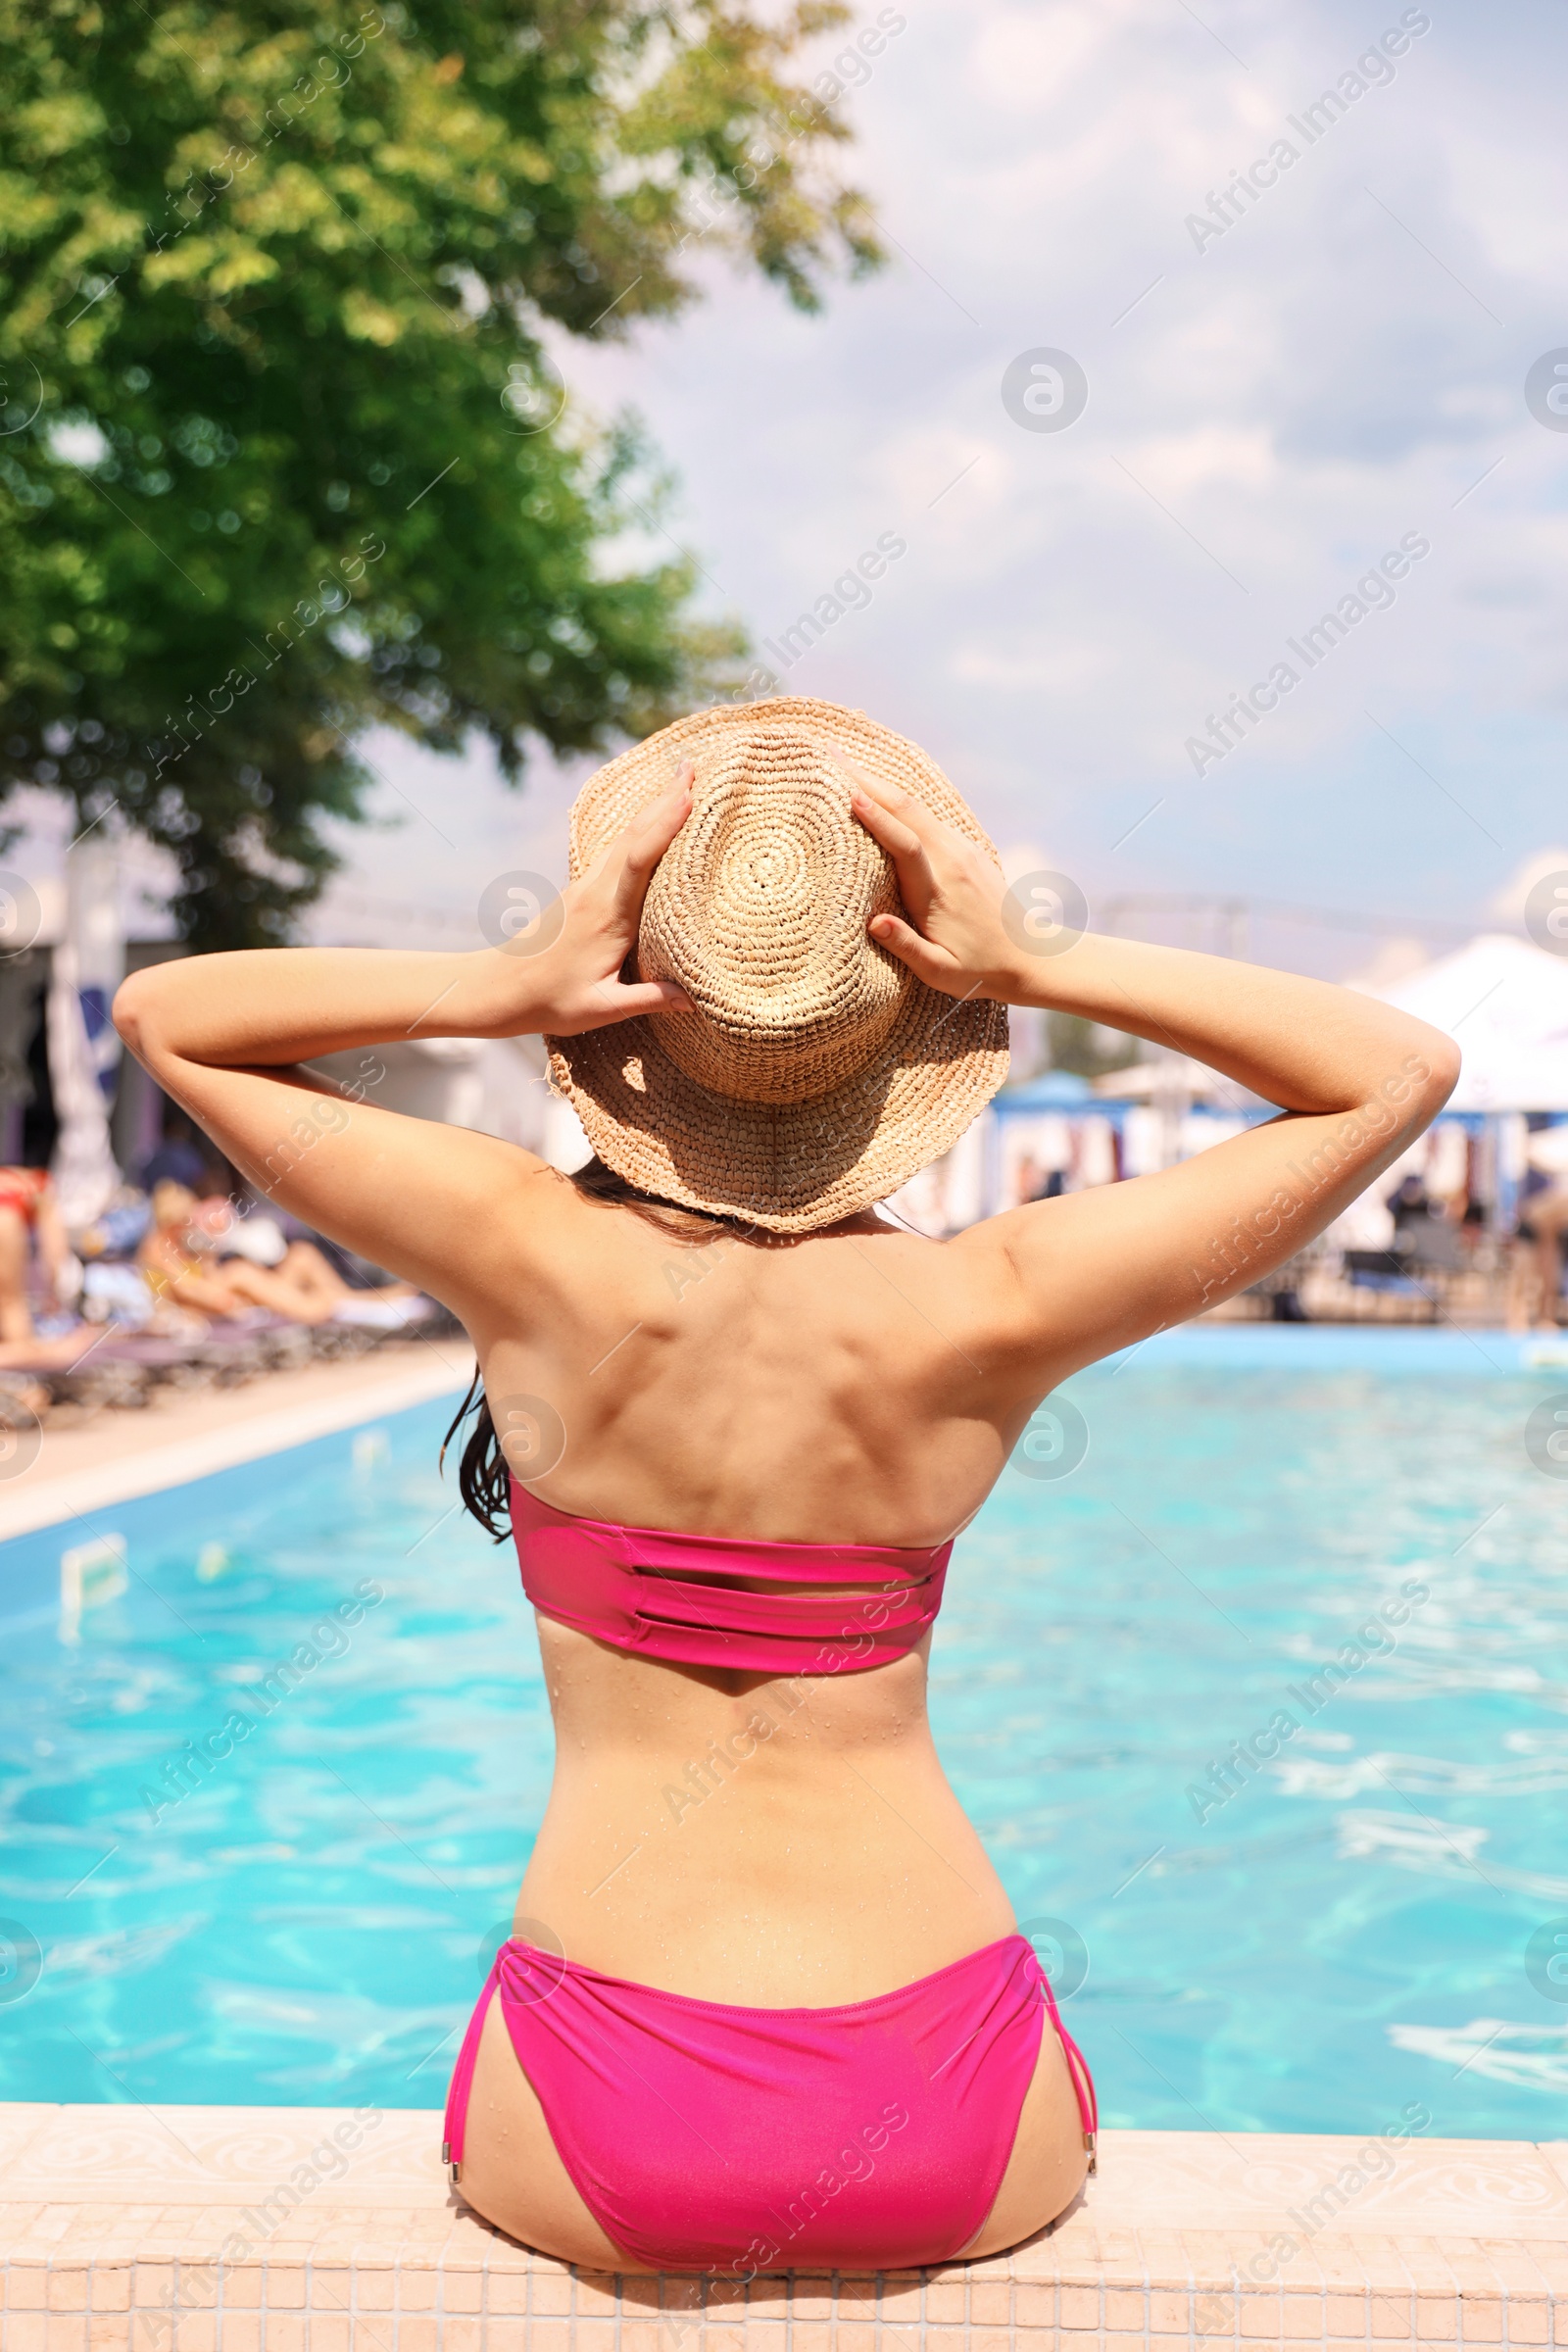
[1271,410]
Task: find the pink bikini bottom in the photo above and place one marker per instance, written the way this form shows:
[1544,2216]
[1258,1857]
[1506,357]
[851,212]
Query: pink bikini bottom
[704,2136]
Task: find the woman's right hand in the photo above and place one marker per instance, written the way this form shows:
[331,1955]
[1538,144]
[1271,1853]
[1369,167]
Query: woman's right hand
[953,893]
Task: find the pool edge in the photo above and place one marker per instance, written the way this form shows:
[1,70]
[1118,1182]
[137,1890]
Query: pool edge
[214,2230]
[179,1460]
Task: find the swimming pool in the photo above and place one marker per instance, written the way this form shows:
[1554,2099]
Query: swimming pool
[1307,1939]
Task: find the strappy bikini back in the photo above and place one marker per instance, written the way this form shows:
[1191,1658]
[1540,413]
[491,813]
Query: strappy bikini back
[722,1600]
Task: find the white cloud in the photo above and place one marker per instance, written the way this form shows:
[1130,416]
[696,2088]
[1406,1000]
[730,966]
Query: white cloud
[1508,902]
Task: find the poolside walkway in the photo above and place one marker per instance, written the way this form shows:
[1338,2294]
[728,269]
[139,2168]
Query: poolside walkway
[183,1434]
[329,2229]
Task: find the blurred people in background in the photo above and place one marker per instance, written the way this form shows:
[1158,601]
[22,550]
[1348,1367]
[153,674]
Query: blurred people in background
[1409,1202]
[29,1216]
[181,1158]
[117,1229]
[184,1156]
[1036,1183]
[183,1260]
[1537,1287]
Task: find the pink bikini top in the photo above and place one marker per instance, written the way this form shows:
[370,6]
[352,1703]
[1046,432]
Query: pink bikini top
[675,1596]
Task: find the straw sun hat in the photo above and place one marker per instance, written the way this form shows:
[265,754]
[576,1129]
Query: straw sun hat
[818,1073]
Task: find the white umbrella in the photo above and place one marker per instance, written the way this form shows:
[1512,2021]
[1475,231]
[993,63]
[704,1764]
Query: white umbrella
[83,1048]
[1505,1004]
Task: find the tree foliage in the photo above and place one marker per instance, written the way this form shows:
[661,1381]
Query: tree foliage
[281,453]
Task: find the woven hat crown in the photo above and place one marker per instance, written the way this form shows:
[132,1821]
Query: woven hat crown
[815,1073]
[759,910]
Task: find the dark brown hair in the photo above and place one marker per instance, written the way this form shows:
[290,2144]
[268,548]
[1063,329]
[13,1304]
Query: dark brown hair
[484,1480]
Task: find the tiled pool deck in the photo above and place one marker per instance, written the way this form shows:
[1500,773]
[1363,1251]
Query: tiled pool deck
[199,2229]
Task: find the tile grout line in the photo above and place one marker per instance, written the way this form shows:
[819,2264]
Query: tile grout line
[1510,2305]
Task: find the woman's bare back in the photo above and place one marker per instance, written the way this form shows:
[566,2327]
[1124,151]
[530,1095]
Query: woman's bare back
[852,1386]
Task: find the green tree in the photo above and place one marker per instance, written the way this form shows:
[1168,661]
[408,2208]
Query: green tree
[281,453]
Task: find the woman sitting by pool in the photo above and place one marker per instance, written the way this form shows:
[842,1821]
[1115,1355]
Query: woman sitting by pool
[766,2006]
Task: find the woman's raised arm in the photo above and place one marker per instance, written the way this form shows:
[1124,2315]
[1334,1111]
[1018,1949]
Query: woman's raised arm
[227,1037]
[276,1006]
[1098,1269]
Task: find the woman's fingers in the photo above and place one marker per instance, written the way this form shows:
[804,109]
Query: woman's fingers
[649,996]
[638,849]
[642,842]
[928,962]
[610,1001]
[619,875]
[603,909]
[899,803]
[897,836]
[620,1001]
[916,882]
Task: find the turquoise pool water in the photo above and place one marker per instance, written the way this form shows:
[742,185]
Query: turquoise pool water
[1365,1920]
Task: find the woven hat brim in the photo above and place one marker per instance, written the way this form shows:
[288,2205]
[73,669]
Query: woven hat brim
[795,1166]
